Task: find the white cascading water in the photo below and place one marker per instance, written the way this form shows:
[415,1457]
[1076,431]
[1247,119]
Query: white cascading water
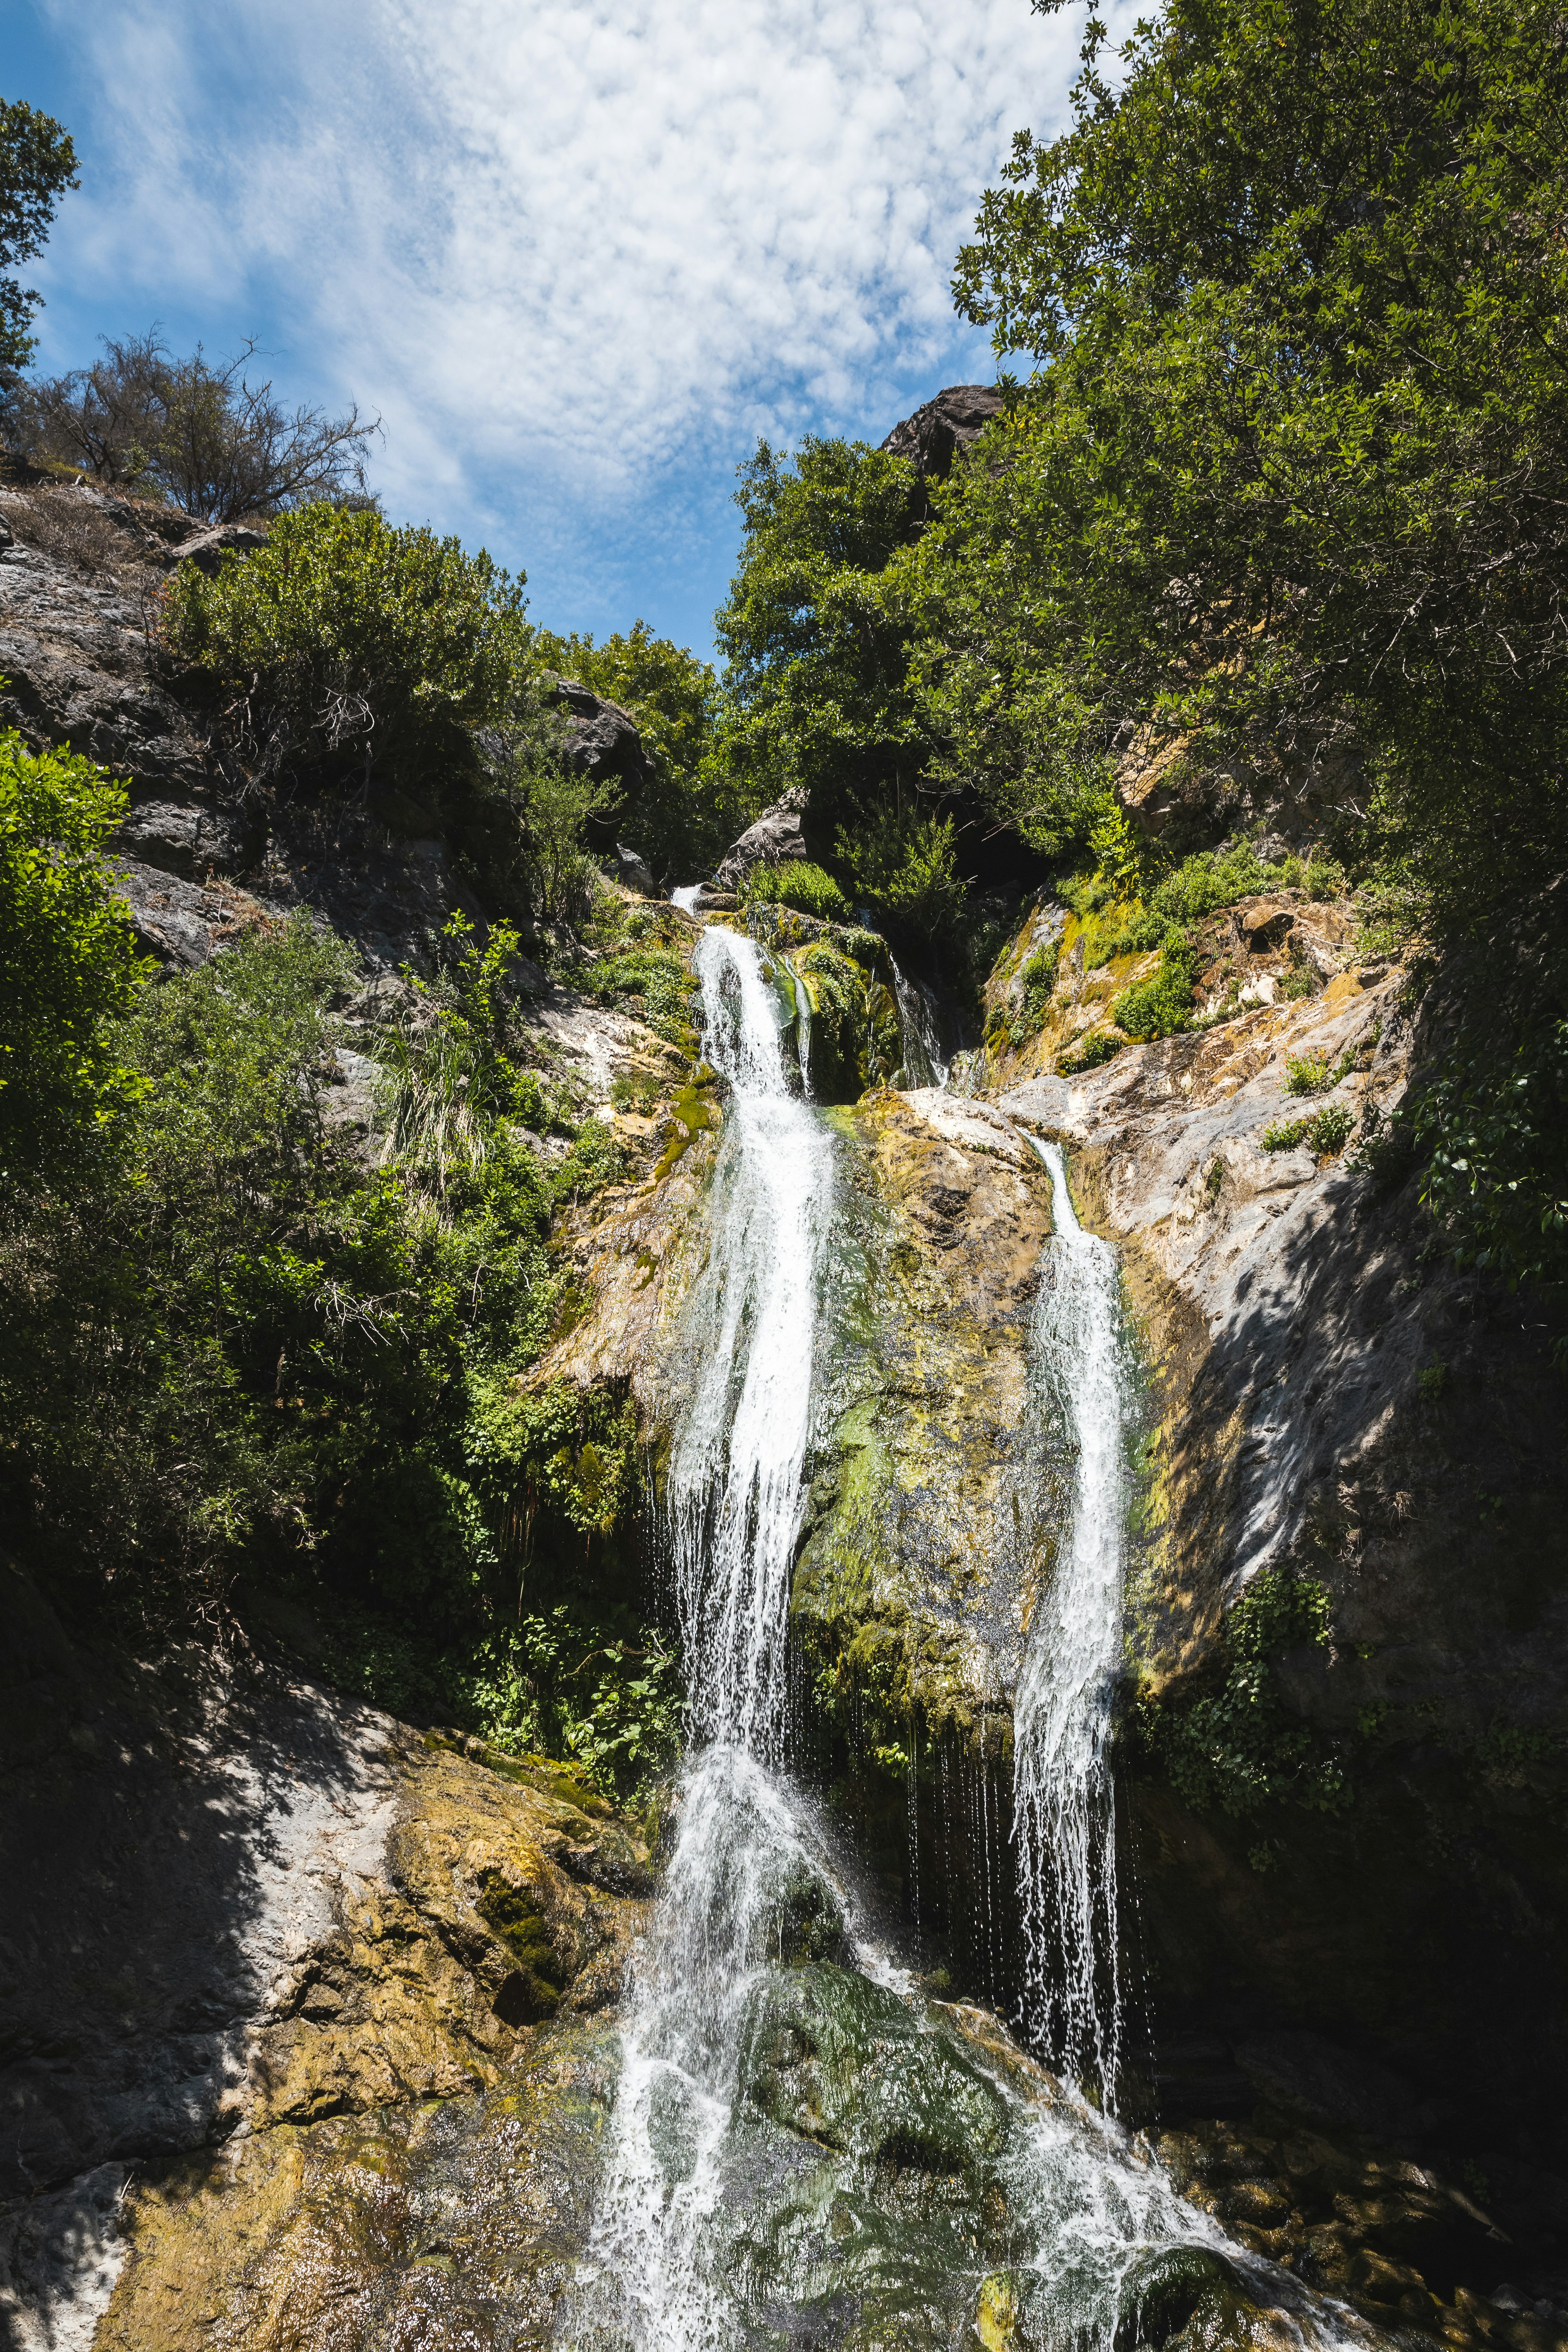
[1063,1807]
[734,1507]
[1090,2203]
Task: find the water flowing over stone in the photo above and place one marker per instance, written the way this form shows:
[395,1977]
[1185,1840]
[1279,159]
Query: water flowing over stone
[923,1065]
[803,2149]
[1063,1818]
[733,1499]
[733,1508]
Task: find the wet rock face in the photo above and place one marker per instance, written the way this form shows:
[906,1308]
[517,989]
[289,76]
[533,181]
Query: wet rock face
[913,1548]
[1292,1322]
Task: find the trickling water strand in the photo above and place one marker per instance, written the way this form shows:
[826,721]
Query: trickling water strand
[802,1033]
[1063,1821]
[921,1041]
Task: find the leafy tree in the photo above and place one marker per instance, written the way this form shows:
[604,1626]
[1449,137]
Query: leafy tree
[813,633]
[67,963]
[1291,477]
[345,642]
[201,436]
[906,868]
[37,163]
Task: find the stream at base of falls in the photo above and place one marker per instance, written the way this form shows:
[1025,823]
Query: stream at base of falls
[805,2150]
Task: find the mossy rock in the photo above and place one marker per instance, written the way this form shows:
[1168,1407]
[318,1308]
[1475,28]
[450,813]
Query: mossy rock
[534,1989]
[856,1034]
[1187,2295]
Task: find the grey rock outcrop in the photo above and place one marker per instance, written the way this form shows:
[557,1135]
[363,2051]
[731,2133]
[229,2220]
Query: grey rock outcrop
[774,840]
[602,739]
[205,548]
[632,873]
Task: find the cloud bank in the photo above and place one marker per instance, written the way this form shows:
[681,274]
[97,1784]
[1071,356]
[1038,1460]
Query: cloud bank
[579,253]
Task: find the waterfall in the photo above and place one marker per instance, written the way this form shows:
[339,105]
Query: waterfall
[745,1841]
[920,1035]
[753,1938]
[1063,1816]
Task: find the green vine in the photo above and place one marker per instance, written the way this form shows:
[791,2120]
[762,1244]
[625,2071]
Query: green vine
[1234,1748]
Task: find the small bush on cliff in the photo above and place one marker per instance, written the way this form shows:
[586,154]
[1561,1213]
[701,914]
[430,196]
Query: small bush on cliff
[345,644]
[797,884]
[1162,1004]
[906,868]
[1235,1746]
[68,964]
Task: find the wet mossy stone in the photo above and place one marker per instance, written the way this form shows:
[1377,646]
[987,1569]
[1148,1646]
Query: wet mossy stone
[532,1991]
[810,1922]
[1167,2290]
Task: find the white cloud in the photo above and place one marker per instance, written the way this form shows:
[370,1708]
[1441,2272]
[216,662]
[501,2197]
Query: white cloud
[577,251]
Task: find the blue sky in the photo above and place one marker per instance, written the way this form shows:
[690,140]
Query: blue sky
[578,254]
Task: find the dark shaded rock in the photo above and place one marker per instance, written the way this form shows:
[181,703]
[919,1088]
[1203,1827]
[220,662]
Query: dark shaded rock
[632,873]
[1164,2290]
[188,837]
[933,436]
[603,741]
[774,840]
[1262,928]
[1335,2085]
[74,653]
[178,920]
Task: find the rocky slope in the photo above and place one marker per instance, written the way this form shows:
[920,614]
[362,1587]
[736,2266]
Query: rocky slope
[305,2015]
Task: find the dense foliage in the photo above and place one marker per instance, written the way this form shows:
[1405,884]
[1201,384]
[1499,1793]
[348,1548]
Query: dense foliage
[690,809]
[237,1352]
[1291,480]
[343,639]
[67,963]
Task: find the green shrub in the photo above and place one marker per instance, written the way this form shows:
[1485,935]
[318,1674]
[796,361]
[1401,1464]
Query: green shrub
[1312,1074]
[798,883]
[1326,1133]
[67,963]
[906,869]
[1096,1049]
[1162,1004]
[1235,1747]
[344,643]
[649,982]
[1138,932]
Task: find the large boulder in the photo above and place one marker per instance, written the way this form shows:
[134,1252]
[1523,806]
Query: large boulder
[603,741]
[934,435]
[774,840]
[207,547]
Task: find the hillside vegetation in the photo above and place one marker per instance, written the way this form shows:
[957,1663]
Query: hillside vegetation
[1277,517]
